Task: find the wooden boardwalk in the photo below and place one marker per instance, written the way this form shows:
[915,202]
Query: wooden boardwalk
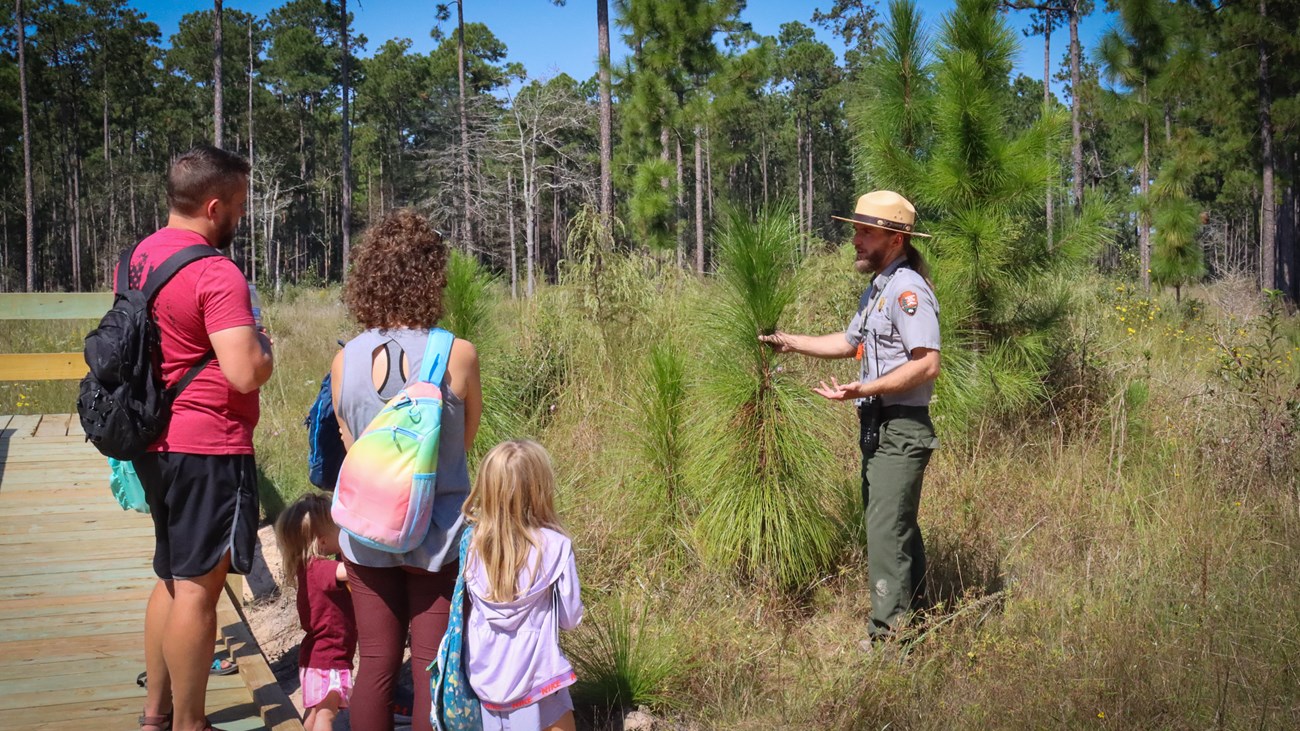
[75,574]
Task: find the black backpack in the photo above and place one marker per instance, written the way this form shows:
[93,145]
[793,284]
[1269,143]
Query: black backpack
[123,404]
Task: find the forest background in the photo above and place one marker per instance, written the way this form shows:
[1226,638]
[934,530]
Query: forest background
[1114,518]
[702,113]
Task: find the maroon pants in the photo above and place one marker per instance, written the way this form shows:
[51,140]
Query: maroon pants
[388,602]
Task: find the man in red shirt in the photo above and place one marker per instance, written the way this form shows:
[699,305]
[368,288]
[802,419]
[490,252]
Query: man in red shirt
[199,476]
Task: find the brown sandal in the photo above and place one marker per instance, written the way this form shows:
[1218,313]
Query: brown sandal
[162,723]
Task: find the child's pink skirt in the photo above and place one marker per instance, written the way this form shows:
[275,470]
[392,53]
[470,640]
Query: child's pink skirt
[318,683]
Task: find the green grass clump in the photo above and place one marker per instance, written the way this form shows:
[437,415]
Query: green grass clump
[620,663]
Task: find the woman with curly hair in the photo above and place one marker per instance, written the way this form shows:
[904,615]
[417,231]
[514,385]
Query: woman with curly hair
[394,290]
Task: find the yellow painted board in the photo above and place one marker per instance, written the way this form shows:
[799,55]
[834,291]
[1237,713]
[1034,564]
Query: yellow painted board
[55,305]
[42,367]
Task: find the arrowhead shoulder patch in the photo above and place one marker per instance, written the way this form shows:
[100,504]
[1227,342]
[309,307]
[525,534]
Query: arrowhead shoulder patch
[908,302]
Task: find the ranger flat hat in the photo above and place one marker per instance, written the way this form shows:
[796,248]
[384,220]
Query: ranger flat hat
[885,209]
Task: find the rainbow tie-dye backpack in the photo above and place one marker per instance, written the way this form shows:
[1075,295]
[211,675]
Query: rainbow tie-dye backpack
[384,497]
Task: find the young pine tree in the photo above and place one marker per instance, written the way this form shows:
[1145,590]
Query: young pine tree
[934,128]
[1176,258]
[761,475]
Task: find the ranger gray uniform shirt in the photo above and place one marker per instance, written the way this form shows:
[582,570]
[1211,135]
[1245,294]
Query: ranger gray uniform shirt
[896,314]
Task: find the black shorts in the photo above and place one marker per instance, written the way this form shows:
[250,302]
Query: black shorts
[203,505]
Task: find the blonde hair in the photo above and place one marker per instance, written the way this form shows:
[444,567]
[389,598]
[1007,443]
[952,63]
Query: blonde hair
[296,531]
[513,497]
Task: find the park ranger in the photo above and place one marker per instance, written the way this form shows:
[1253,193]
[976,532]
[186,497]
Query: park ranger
[895,334]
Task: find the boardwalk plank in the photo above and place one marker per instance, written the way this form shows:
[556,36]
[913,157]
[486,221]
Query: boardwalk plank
[118,710]
[81,605]
[21,477]
[72,610]
[53,425]
[22,426]
[101,534]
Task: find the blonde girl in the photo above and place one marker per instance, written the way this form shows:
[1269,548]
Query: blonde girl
[523,585]
[309,540]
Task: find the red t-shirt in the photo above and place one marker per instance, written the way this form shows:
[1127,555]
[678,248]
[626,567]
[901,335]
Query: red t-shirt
[325,611]
[208,295]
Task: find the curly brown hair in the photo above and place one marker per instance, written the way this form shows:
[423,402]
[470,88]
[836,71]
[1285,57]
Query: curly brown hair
[398,273]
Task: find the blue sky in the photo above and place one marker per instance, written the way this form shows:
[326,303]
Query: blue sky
[549,40]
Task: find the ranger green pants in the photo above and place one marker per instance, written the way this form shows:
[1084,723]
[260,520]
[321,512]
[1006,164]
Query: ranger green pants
[891,494]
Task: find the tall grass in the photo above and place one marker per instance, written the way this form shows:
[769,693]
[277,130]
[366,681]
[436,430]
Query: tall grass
[1139,526]
[472,301]
[659,417]
[620,663]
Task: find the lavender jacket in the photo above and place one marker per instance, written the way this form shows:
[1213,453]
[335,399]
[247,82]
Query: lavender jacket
[514,647]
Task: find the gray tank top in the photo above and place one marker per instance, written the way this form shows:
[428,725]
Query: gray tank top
[359,403]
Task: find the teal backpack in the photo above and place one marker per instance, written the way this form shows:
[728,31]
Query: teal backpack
[126,486]
[455,707]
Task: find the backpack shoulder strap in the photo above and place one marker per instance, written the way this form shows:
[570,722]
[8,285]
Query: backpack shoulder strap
[174,263]
[163,274]
[436,354]
[124,270]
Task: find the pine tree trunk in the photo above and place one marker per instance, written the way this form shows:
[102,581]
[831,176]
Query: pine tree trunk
[111,190]
[681,205]
[555,218]
[798,163]
[1076,150]
[1047,99]
[252,209]
[218,106]
[529,184]
[606,121]
[346,202]
[468,243]
[1288,222]
[708,171]
[76,223]
[1144,185]
[810,178]
[1268,209]
[699,202]
[510,222]
[29,201]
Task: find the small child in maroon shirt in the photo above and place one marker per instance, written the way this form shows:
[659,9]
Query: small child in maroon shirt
[308,539]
